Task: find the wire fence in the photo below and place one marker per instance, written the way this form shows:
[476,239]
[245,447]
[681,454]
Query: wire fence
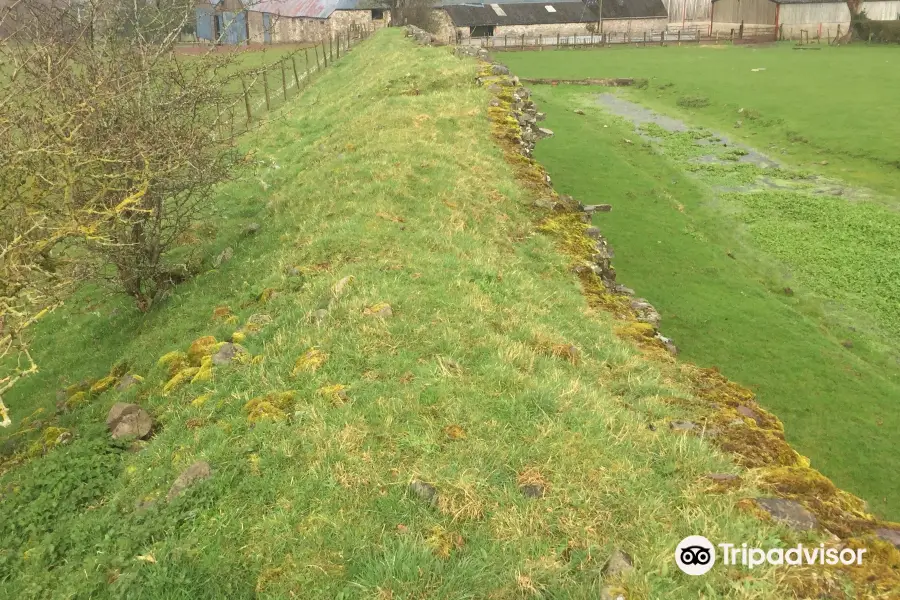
[259,91]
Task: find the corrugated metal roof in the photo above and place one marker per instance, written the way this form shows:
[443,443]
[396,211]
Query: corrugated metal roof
[470,15]
[310,9]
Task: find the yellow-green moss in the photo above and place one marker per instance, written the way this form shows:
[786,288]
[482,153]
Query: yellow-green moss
[238,337]
[309,361]
[76,400]
[200,400]
[205,372]
[271,406]
[336,394]
[103,384]
[174,360]
[203,346]
[50,438]
[179,379]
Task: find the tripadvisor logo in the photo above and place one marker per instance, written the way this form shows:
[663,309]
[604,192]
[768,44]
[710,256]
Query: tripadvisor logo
[696,555]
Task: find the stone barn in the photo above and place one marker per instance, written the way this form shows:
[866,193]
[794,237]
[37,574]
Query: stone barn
[814,16]
[280,21]
[550,19]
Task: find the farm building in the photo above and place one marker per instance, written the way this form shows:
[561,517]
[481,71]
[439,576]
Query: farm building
[689,13]
[276,21]
[796,14]
[545,18]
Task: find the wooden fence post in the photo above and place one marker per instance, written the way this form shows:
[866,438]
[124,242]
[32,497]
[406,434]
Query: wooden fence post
[246,100]
[523,42]
[266,87]
[324,56]
[283,81]
[557,40]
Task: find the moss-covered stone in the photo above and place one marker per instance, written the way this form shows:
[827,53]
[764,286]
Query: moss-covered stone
[203,346]
[205,372]
[175,360]
[273,407]
[200,400]
[179,379]
[309,361]
[336,394]
[104,384]
[76,400]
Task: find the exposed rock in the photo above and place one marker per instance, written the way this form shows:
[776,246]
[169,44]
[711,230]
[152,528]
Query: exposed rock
[223,257]
[499,70]
[196,472]
[682,426]
[667,343]
[543,131]
[532,490]
[645,311]
[790,512]
[592,208]
[540,117]
[618,564]
[127,381]
[495,89]
[889,535]
[128,420]
[494,102]
[592,232]
[252,229]
[227,353]
[425,491]
[746,411]
[621,289]
[578,111]
[382,309]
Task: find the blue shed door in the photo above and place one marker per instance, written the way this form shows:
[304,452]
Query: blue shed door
[235,27]
[267,28]
[205,24]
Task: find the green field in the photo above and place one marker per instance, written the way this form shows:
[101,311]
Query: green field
[490,374]
[822,355]
[833,104]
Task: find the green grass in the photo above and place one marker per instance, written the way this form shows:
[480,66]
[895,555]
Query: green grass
[833,104]
[383,170]
[715,266]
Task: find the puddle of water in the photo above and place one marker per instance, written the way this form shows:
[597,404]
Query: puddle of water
[724,151]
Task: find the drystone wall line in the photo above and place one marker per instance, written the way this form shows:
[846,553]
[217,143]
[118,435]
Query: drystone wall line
[800,497]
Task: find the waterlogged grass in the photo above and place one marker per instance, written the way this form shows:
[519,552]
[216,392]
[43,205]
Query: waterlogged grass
[794,109]
[384,171]
[717,264]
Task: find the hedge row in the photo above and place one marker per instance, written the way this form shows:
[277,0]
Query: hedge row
[886,32]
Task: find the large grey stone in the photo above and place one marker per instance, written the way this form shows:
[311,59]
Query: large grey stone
[789,512]
[126,420]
